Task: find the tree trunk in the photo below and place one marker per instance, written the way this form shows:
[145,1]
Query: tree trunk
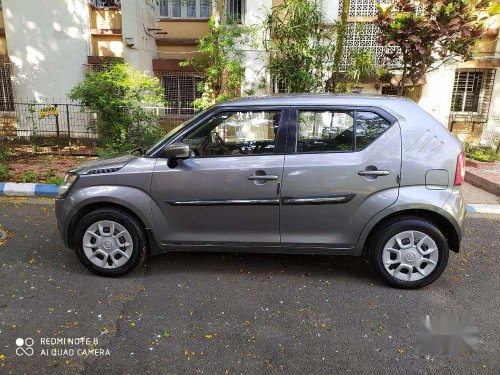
[339,48]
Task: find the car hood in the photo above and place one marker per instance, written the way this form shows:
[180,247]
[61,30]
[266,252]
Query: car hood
[104,165]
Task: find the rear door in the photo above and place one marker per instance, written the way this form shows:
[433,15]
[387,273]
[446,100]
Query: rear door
[341,168]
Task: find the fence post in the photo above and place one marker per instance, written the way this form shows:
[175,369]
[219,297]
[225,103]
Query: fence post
[58,131]
[69,129]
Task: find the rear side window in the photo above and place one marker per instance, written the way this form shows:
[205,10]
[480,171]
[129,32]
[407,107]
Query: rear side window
[369,126]
[325,131]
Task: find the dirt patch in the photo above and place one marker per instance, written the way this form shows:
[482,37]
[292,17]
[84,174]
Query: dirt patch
[41,168]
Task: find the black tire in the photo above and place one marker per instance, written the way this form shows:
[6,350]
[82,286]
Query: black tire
[130,223]
[405,224]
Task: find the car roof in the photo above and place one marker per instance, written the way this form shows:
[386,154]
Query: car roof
[315,99]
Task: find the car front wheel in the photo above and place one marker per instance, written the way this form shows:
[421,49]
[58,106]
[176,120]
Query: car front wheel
[409,253]
[110,242]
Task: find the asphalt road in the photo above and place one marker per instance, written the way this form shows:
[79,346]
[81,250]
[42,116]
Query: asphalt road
[186,313]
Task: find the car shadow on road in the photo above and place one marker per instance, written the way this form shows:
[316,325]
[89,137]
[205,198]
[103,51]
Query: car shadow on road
[322,266]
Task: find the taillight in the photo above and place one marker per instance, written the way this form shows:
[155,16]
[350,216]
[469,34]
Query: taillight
[460,171]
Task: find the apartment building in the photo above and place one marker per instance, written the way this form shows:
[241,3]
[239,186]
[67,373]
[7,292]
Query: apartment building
[46,45]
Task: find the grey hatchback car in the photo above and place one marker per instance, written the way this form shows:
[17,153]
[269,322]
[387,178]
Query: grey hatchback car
[319,174]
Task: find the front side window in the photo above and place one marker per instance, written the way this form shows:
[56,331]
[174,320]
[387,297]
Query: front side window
[325,131]
[185,8]
[369,126]
[235,133]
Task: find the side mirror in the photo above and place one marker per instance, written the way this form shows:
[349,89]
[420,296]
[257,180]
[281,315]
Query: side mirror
[176,151]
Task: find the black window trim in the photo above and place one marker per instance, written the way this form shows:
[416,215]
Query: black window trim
[291,143]
[280,141]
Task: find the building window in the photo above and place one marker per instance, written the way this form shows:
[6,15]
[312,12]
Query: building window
[185,8]
[180,92]
[235,10]
[467,91]
[106,3]
[6,93]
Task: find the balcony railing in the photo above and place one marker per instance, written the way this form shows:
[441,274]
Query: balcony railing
[103,4]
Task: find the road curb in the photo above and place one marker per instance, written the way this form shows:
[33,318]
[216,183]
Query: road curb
[478,208]
[14,189]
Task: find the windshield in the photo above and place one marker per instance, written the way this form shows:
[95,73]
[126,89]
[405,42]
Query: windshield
[174,131]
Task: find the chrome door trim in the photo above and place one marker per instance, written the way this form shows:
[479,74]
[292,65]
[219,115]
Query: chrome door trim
[333,199]
[225,202]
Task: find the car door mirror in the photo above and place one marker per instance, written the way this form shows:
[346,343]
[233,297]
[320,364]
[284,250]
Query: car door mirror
[176,151]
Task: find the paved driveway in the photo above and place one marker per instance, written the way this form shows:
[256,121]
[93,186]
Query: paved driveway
[186,313]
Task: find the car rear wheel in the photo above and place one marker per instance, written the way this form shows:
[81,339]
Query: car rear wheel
[409,253]
[110,242]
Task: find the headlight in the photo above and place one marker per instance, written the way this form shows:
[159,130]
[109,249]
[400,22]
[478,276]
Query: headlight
[69,181]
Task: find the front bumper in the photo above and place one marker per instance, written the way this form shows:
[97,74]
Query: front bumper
[64,214]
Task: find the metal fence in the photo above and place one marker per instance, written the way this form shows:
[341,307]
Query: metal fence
[484,133]
[53,127]
[65,127]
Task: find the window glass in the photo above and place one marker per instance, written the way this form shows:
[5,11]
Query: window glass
[191,8]
[236,133]
[176,8]
[164,8]
[205,9]
[369,126]
[323,131]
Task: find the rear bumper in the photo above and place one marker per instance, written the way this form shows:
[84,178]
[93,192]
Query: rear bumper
[455,206]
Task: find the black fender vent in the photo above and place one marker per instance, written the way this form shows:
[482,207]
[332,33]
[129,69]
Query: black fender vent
[102,170]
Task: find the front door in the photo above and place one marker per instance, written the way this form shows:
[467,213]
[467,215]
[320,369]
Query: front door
[341,168]
[228,191]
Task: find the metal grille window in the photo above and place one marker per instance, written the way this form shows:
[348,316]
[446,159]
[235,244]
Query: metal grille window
[106,3]
[235,10]
[6,93]
[180,92]
[467,91]
[185,8]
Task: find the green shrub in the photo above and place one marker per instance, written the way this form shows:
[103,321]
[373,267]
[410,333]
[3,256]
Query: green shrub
[4,172]
[118,95]
[483,154]
[56,180]
[29,176]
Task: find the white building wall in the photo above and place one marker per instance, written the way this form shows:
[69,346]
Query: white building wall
[48,43]
[256,78]
[138,20]
[437,93]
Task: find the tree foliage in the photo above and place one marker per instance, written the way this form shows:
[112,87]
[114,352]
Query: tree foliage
[119,95]
[432,32]
[221,59]
[300,45]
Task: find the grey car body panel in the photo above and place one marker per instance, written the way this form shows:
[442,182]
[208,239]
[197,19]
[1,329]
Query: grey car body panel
[330,173]
[199,186]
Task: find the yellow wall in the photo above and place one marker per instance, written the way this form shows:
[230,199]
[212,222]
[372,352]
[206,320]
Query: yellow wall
[176,52]
[105,19]
[183,30]
[107,46]
[2,25]
[3,46]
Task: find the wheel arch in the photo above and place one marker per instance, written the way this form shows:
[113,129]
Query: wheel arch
[439,220]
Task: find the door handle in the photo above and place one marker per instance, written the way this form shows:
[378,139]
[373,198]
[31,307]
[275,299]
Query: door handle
[375,173]
[263,177]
